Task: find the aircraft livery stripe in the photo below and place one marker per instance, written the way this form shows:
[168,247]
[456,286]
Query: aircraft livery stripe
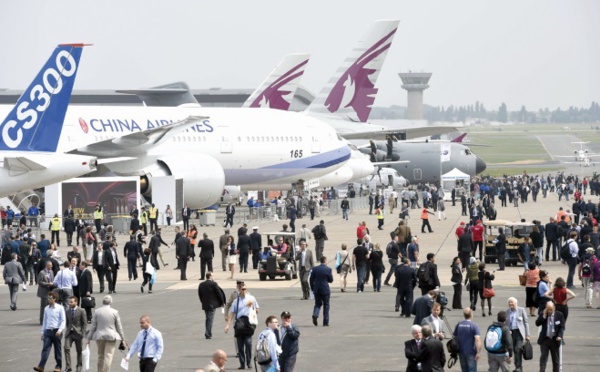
[323,160]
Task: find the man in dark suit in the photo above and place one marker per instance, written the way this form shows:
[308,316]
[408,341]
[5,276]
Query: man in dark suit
[255,246]
[243,247]
[207,253]
[86,286]
[319,282]
[132,251]
[99,265]
[552,237]
[431,355]
[304,257]
[112,267]
[406,280]
[412,349]
[74,332]
[185,215]
[212,297]
[550,338]
[183,251]
[421,309]
[229,213]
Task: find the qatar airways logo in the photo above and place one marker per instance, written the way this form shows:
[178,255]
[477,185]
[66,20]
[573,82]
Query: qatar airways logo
[37,100]
[354,88]
[121,125]
[273,96]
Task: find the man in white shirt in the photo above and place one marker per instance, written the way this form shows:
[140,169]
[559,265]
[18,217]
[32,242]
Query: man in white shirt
[241,307]
[52,328]
[65,280]
[148,344]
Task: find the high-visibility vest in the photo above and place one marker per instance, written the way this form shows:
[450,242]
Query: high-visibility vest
[424,215]
[98,215]
[144,217]
[153,213]
[55,224]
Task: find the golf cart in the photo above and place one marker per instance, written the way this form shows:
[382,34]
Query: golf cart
[515,233]
[273,264]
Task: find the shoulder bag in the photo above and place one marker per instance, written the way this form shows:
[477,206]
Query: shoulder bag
[242,326]
[527,350]
[339,268]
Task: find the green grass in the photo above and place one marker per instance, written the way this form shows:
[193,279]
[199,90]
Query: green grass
[508,147]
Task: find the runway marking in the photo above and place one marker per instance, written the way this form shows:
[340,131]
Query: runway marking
[544,146]
[24,320]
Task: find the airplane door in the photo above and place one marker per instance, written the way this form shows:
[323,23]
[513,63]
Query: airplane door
[417,174]
[226,141]
[316,145]
[391,180]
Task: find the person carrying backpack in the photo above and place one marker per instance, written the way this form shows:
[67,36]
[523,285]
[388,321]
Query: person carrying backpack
[498,343]
[585,274]
[267,349]
[427,275]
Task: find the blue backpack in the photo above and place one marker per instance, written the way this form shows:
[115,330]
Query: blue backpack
[493,339]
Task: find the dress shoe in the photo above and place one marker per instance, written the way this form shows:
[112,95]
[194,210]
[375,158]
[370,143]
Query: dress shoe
[314,318]
[242,367]
[142,289]
[325,325]
[114,292]
[398,309]
[38,369]
[110,292]
[388,284]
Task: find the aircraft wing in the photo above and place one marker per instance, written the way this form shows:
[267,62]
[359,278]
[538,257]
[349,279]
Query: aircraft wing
[408,133]
[391,162]
[137,143]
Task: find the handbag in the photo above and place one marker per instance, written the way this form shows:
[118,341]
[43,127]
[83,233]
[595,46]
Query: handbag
[242,326]
[527,350]
[522,280]
[489,293]
[88,302]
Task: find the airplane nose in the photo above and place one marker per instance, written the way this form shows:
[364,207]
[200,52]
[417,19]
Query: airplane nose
[479,166]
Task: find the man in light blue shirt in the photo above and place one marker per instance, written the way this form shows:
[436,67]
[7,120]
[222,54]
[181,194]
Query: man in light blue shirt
[52,328]
[148,344]
[241,307]
[65,280]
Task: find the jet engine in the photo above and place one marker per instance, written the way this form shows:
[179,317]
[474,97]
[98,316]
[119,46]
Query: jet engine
[203,178]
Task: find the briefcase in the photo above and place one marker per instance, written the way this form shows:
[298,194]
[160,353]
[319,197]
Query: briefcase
[88,302]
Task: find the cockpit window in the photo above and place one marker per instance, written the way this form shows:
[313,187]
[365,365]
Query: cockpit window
[468,152]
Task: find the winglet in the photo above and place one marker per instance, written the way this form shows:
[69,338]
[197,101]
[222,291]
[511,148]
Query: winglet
[460,138]
[279,87]
[351,92]
[36,121]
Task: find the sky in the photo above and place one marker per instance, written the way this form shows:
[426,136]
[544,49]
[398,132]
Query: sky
[537,53]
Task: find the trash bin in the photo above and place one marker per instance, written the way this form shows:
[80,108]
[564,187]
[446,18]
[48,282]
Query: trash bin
[207,217]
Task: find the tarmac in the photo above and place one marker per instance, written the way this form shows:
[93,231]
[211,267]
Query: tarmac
[365,334]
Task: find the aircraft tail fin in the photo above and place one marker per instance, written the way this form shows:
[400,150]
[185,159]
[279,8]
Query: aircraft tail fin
[279,87]
[36,121]
[460,138]
[350,93]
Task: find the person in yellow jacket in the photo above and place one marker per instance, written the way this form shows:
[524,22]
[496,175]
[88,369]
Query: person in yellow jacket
[425,218]
[153,216]
[380,216]
[54,227]
[144,220]
[98,217]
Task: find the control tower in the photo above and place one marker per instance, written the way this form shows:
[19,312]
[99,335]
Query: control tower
[415,83]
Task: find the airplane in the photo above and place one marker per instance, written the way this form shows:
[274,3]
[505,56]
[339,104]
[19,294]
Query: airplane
[345,104]
[581,155]
[587,161]
[30,133]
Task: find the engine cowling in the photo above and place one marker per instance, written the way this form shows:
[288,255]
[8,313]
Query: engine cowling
[203,178]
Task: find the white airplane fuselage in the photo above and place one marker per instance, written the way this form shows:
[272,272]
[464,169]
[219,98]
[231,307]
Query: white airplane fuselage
[256,148]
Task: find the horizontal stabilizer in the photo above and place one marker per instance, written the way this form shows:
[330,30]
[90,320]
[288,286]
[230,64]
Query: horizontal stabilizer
[406,133]
[168,95]
[21,163]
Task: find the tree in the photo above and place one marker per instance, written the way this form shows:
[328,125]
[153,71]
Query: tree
[503,113]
